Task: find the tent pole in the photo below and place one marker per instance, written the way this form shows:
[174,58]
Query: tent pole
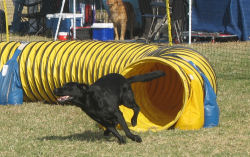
[74,19]
[190,22]
[59,20]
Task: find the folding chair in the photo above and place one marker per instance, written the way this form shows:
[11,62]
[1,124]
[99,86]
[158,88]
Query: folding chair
[179,17]
[33,15]
[158,19]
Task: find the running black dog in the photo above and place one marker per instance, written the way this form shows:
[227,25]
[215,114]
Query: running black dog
[101,100]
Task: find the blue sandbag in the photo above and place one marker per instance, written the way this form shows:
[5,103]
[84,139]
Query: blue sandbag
[211,108]
[11,91]
[210,105]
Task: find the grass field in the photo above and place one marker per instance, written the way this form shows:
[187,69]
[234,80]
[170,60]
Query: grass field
[38,129]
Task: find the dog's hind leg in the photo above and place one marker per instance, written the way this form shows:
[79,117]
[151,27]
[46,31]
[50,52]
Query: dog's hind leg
[116,32]
[128,100]
[116,134]
[122,122]
[123,30]
[136,110]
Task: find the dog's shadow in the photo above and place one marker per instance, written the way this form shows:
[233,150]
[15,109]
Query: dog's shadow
[85,136]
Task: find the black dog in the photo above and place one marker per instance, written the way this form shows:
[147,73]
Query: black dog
[101,100]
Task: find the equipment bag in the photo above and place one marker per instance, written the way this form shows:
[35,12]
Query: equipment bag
[11,91]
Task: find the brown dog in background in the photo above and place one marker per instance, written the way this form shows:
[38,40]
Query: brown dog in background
[121,14]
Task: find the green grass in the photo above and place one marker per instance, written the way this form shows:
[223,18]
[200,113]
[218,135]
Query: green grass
[25,37]
[231,60]
[38,129]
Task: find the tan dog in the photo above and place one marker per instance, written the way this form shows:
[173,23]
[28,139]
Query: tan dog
[121,14]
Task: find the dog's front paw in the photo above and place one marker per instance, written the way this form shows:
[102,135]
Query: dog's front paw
[137,138]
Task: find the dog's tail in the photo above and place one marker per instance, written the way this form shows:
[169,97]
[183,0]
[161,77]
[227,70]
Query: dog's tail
[146,77]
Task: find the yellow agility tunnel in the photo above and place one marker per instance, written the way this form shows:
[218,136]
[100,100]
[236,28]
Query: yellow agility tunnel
[175,100]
